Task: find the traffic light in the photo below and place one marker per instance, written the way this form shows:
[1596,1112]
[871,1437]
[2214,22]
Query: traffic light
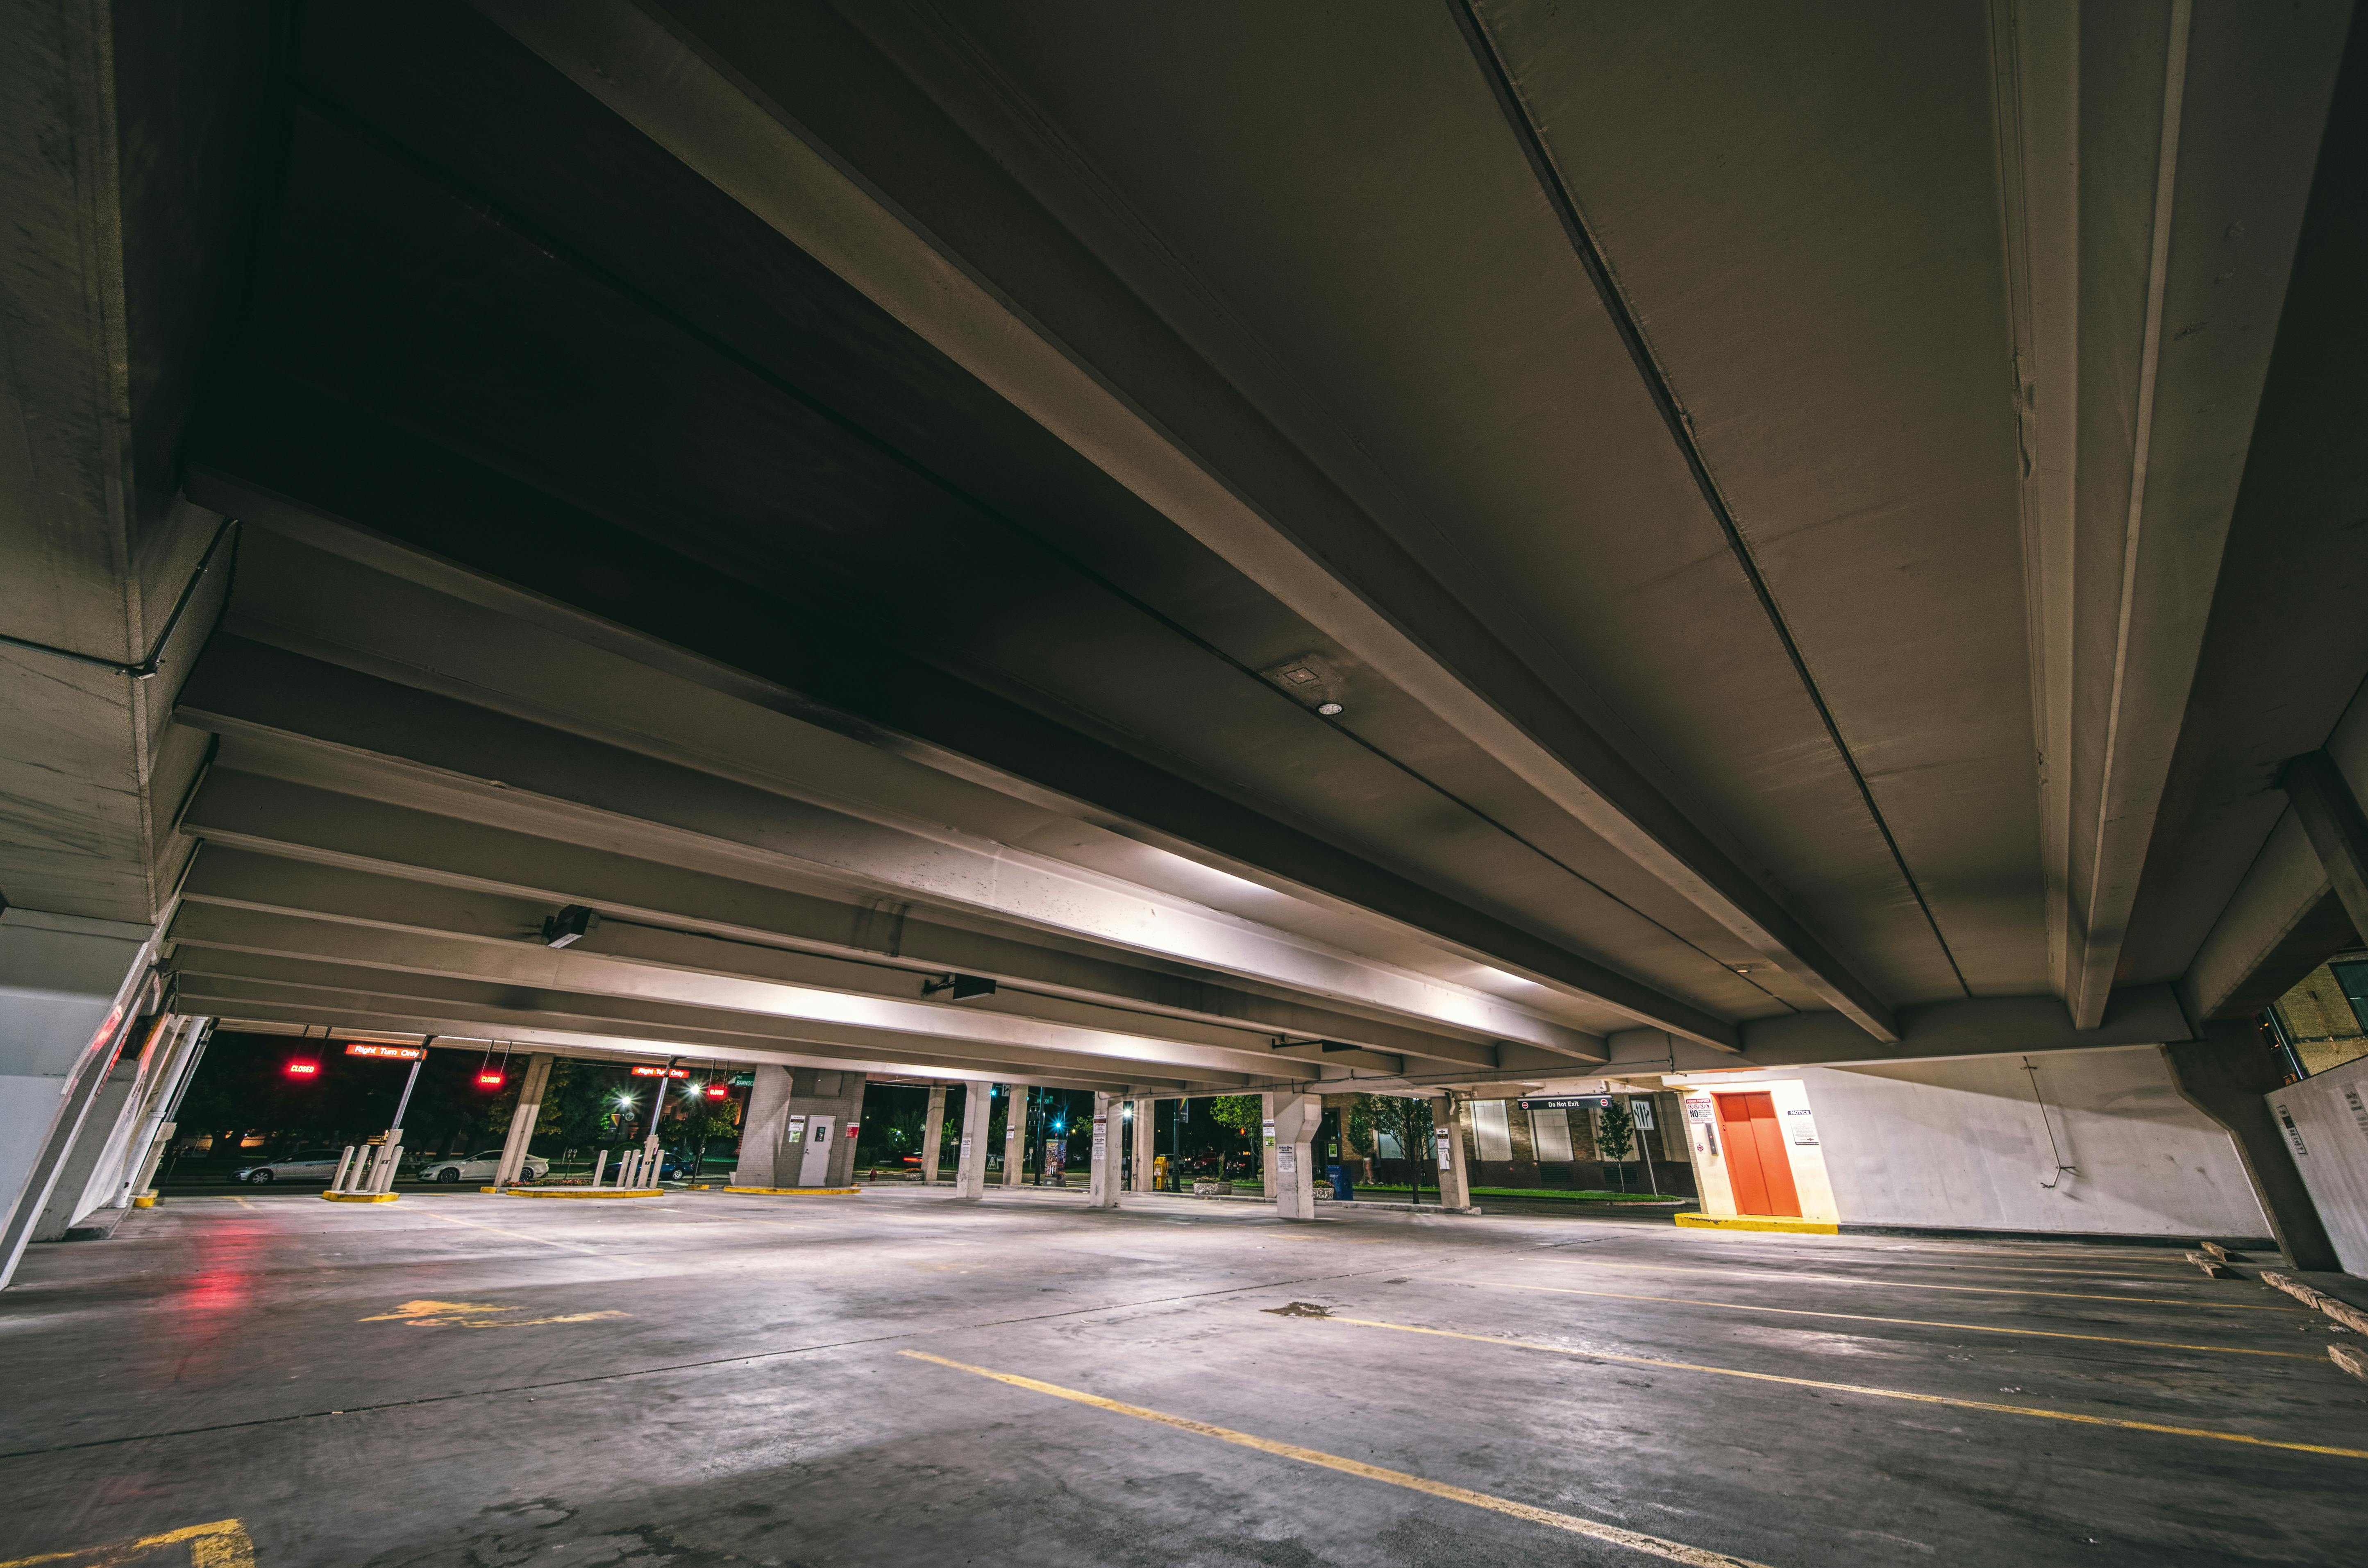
[300,1068]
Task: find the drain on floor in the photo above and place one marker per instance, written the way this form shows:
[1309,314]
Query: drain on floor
[1298,1310]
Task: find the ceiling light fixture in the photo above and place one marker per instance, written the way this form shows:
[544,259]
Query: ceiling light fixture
[1329,710]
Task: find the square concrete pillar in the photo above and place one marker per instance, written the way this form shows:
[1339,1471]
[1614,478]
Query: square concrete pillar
[762,1126]
[1291,1121]
[1014,1133]
[970,1156]
[1454,1175]
[933,1134]
[794,1131]
[1145,1113]
[1102,1177]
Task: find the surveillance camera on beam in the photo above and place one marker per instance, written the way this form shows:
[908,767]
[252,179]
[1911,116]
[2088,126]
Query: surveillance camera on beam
[570,926]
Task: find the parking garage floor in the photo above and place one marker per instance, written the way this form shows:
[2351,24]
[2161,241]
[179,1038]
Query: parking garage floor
[896,1377]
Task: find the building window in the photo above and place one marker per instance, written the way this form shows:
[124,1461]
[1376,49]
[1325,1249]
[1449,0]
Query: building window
[1551,1131]
[1490,1131]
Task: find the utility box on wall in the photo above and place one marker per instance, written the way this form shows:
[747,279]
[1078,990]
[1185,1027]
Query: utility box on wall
[2324,1119]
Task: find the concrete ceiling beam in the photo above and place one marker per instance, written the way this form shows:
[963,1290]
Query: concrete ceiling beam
[245,878]
[887,699]
[505,924]
[958,252]
[2284,921]
[374,738]
[235,1002]
[2157,163]
[530,966]
[335,995]
[1979,1026]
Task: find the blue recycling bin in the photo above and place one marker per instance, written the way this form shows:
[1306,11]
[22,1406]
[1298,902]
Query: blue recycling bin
[1338,1176]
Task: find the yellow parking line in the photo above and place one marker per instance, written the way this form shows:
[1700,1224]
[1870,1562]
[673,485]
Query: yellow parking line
[1674,1551]
[222,1544]
[2187,1268]
[1912,1323]
[1875,1392]
[1772,1277]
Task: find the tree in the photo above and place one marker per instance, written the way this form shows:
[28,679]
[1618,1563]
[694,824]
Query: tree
[1615,1135]
[1407,1118]
[1243,1114]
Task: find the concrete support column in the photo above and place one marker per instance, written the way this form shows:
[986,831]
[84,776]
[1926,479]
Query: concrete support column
[1291,1121]
[933,1134]
[161,1102]
[763,1126]
[529,1111]
[2224,1075]
[109,1106]
[1145,1113]
[69,988]
[1102,1177]
[1447,1137]
[970,1156]
[1014,1133]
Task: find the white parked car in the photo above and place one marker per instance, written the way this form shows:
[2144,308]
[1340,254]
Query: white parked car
[304,1164]
[478,1168]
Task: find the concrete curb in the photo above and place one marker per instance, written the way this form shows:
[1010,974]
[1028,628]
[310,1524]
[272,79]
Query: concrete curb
[802,1192]
[360,1197]
[575,1192]
[1757,1222]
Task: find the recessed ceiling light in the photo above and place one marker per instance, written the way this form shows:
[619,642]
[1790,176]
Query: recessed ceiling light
[1299,674]
[1330,710]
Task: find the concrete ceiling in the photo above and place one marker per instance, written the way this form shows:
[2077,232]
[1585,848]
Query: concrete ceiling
[1799,515]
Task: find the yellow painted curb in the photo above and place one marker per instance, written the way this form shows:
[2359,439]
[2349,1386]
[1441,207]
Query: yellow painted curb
[1758,1223]
[361,1196]
[575,1191]
[144,1201]
[801,1191]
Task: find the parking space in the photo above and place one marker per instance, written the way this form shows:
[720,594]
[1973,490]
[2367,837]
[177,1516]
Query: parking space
[899,1378]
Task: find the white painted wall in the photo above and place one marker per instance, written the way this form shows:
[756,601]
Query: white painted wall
[2325,1122]
[1960,1145]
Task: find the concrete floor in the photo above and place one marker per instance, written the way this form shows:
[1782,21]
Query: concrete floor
[706,1379]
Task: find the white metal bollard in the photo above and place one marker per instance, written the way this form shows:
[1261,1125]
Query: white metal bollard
[599,1164]
[338,1182]
[390,1161]
[356,1177]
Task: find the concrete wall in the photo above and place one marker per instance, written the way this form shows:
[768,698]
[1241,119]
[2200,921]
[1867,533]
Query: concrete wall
[2324,1118]
[1960,1144]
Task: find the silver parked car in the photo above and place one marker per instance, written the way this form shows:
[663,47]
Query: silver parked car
[304,1164]
[478,1168]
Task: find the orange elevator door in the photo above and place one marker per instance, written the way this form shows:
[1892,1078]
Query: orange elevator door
[1757,1166]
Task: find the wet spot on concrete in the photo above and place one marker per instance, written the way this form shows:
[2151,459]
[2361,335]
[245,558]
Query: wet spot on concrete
[1299,1310]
